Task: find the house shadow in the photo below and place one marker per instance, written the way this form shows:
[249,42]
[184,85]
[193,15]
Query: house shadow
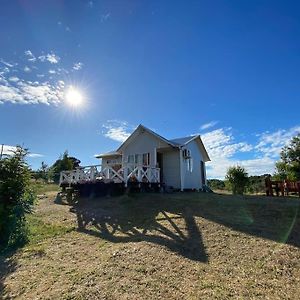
[129,219]
[170,220]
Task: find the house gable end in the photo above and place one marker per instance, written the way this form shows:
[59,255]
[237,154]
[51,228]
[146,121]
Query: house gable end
[139,131]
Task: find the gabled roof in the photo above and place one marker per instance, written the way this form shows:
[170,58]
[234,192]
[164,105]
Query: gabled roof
[183,141]
[176,143]
[142,127]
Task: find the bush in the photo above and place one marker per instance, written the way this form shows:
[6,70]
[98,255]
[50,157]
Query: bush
[16,198]
[237,178]
[216,184]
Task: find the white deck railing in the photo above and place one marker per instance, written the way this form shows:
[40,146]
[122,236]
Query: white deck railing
[107,173]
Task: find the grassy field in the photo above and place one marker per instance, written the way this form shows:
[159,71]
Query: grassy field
[158,246]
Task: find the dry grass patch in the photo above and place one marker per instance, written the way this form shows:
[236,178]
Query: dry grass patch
[154,246]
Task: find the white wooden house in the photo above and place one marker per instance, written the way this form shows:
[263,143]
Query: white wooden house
[148,157]
[179,163]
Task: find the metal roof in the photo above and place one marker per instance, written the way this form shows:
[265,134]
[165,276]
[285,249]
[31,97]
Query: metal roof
[183,140]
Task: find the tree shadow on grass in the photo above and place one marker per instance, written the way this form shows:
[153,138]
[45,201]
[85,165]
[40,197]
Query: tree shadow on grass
[7,266]
[169,220]
[131,219]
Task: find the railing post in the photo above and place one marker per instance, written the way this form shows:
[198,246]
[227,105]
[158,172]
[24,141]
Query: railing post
[139,174]
[92,173]
[125,174]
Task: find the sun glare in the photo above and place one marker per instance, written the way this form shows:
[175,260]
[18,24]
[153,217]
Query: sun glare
[74,97]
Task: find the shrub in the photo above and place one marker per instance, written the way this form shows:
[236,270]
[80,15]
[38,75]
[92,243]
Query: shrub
[237,178]
[16,198]
[216,184]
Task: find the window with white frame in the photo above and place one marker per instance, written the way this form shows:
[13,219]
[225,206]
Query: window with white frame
[146,159]
[189,164]
[130,159]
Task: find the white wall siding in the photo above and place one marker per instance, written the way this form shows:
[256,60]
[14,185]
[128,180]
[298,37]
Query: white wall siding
[111,159]
[171,168]
[144,143]
[192,180]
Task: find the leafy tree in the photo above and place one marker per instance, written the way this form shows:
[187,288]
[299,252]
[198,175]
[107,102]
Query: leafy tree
[256,184]
[42,172]
[16,198]
[216,184]
[288,167]
[64,163]
[237,178]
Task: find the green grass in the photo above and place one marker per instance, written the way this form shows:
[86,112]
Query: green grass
[40,231]
[42,188]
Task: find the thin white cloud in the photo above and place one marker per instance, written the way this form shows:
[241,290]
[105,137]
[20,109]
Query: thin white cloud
[271,143]
[52,71]
[27,92]
[42,58]
[9,150]
[30,56]
[52,58]
[208,125]
[117,130]
[8,64]
[77,66]
[27,69]
[14,79]
[104,17]
[35,155]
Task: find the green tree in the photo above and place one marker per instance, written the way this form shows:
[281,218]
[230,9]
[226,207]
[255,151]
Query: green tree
[216,184]
[42,172]
[237,178]
[16,198]
[256,184]
[288,167]
[64,163]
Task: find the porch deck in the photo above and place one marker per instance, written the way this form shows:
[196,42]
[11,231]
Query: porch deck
[115,173]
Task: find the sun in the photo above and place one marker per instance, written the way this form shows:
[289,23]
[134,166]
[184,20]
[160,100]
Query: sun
[74,97]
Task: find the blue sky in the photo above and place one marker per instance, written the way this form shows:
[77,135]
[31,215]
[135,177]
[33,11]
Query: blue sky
[228,70]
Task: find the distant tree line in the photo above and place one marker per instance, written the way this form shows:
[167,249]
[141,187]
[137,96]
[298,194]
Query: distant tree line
[238,181]
[251,184]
